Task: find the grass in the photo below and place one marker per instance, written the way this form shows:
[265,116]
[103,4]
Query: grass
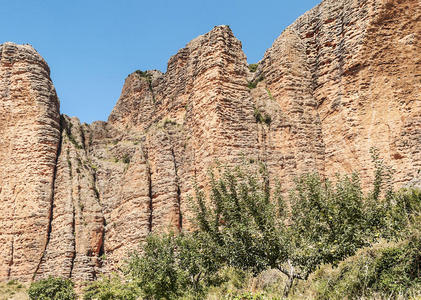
[270,94]
[13,290]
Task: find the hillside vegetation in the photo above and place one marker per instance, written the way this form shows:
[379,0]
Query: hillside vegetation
[324,240]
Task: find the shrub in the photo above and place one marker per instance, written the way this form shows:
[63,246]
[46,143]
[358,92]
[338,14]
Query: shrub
[143,74]
[253,67]
[328,222]
[253,84]
[12,289]
[244,219]
[174,265]
[52,288]
[110,288]
[126,159]
[261,118]
[387,270]
[156,271]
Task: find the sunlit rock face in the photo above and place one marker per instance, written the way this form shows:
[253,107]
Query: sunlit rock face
[77,198]
[29,142]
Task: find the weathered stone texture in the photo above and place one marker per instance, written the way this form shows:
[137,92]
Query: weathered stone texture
[343,78]
[29,139]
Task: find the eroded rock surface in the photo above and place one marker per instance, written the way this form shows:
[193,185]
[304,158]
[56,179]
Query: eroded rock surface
[77,198]
[29,141]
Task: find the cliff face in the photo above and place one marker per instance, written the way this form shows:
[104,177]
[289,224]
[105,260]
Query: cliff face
[343,78]
[30,138]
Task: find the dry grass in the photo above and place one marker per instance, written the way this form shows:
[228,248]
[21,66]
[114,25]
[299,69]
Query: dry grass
[13,290]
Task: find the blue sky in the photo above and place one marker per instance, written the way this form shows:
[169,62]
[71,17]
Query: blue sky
[92,45]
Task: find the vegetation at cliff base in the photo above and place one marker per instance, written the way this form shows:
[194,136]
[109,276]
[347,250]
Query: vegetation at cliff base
[325,240]
[52,288]
[12,289]
[322,240]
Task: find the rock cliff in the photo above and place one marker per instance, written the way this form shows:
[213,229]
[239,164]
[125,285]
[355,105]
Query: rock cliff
[76,198]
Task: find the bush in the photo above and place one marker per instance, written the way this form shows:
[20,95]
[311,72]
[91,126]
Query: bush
[174,265]
[52,288]
[253,67]
[328,222]
[243,220]
[156,271]
[110,288]
[260,118]
[126,159]
[12,290]
[253,84]
[387,269]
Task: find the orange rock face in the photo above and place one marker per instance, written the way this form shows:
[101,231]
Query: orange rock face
[29,139]
[76,198]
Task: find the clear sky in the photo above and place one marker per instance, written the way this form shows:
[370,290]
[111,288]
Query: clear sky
[92,45]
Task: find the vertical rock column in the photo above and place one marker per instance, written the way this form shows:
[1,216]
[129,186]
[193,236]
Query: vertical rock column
[29,141]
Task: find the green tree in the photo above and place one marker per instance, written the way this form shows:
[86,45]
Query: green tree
[52,288]
[171,265]
[156,270]
[248,222]
[243,220]
[389,270]
[327,223]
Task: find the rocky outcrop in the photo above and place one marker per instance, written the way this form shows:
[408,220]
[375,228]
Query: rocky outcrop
[29,142]
[343,78]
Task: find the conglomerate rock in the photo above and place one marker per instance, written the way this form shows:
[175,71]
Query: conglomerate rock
[29,140]
[77,198]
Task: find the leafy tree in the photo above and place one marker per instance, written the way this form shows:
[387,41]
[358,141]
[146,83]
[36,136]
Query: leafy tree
[243,224]
[327,222]
[242,219]
[172,265]
[200,260]
[156,271]
[52,288]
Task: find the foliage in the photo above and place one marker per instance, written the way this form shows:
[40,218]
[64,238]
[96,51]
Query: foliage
[253,84]
[392,269]
[173,265]
[169,122]
[327,222]
[247,296]
[156,271]
[148,77]
[74,142]
[253,67]
[242,220]
[270,94]
[110,288]
[126,159]
[12,289]
[52,288]
[143,74]
[244,228]
[248,222]
[262,118]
